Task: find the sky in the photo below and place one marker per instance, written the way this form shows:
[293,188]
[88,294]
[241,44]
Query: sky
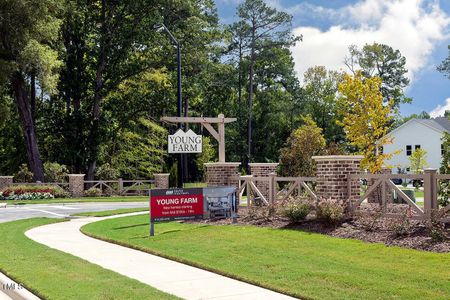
[420,29]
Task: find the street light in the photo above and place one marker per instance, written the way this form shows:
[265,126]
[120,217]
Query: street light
[159,28]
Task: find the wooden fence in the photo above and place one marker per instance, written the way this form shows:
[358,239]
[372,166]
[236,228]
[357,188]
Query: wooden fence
[121,187]
[273,189]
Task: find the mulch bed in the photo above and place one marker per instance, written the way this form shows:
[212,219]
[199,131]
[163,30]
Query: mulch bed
[415,235]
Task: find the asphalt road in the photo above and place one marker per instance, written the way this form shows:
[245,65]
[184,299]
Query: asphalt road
[54,210]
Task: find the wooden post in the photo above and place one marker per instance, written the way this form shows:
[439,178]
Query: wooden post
[120,186]
[272,188]
[221,126]
[430,192]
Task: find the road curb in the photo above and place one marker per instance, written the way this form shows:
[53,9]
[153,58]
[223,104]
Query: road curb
[15,290]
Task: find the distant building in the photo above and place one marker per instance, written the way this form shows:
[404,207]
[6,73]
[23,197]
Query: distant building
[418,133]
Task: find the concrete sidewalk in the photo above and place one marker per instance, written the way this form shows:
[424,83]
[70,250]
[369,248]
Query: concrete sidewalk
[171,277]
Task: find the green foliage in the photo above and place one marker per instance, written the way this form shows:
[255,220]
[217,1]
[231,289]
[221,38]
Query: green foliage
[297,209]
[303,143]
[444,185]
[320,92]
[418,161]
[93,192]
[23,175]
[445,66]
[138,151]
[106,172]
[55,172]
[379,60]
[208,155]
[329,211]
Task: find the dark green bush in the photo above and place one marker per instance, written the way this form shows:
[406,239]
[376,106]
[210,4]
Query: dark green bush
[297,209]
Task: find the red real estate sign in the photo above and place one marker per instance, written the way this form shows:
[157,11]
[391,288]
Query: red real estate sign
[176,204]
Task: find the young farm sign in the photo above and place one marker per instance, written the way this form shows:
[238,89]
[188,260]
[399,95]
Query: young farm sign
[176,204]
[184,142]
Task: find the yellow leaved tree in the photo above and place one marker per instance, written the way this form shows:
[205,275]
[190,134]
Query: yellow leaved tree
[365,118]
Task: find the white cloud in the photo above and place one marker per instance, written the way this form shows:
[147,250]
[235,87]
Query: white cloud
[439,110]
[412,26]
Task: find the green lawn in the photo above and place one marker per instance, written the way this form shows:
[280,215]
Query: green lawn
[53,274]
[298,263]
[107,213]
[83,199]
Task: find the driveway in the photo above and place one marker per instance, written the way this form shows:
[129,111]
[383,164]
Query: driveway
[55,210]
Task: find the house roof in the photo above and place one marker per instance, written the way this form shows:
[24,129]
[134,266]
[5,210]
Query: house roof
[440,124]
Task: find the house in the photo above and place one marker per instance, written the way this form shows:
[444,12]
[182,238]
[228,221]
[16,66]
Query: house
[418,133]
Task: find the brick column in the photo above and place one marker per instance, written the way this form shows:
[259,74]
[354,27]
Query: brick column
[263,170]
[162,180]
[76,185]
[5,181]
[222,174]
[332,174]
[375,196]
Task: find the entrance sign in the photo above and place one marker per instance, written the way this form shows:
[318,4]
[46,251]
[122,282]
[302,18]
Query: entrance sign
[176,204]
[207,124]
[184,142]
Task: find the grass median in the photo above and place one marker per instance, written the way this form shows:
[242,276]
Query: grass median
[108,213]
[79,200]
[52,274]
[301,264]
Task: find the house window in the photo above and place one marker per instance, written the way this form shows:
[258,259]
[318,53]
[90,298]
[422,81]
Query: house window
[381,149]
[408,150]
[416,147]
[408,169]
[442,149]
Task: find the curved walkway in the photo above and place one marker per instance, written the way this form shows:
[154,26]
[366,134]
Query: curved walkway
[166,275]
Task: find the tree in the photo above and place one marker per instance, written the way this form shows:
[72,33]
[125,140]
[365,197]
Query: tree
[29,34]
[320,89]
[445,66]
[366,118]
[444,185]
[262,27]
[382,61]
[303,143]
[418,161]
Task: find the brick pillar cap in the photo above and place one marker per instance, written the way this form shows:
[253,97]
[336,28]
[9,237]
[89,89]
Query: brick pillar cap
[162,174]
[6,176]
[223,164]
[337,157]
[263,164]
[76,175]
[430,170]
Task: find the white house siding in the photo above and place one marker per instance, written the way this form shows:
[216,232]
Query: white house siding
[415,133]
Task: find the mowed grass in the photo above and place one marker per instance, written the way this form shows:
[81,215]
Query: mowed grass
[301,264]
[78,200]
[108,213]
[52,274]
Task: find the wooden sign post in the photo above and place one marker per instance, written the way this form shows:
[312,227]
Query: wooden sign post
[207,123]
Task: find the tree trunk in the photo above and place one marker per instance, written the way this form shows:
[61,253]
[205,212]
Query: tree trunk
[93,140]
[29,131]
[33,97]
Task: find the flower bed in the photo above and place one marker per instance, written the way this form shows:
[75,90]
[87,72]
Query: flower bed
[32,192]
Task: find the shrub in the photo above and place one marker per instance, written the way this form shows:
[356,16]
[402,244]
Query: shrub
[24,174]
[93,192]
[402,226]
[370,221]
[329,211]
[436,227]
[55,191]
[54,172]
[297,209]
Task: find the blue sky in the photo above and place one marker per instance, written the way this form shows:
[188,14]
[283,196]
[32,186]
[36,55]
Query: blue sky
[420,29]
